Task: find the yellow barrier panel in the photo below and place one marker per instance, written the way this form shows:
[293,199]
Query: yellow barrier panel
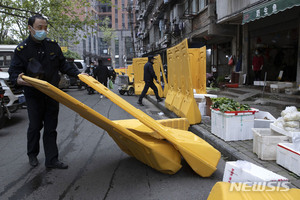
[155,153]
[183,103]
[120,71]
[172,81]
[198,69]
[241,191]
[201,156]
[140,129]
[138,68]
[130,73]
[189,107]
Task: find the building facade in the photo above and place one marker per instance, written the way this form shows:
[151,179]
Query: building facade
[227,28]
[120,51]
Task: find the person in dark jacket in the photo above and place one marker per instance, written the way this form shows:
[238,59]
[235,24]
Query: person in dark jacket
[40,57]
[101,73]
[149,75]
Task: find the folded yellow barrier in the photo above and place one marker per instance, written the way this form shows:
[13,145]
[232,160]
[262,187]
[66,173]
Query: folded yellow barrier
[158,154]
[201,156]
[241,191]
[140,129]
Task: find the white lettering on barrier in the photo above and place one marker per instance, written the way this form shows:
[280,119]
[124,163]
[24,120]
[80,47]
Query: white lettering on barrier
[267,186]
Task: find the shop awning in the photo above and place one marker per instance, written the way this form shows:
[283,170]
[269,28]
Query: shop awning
[267,9]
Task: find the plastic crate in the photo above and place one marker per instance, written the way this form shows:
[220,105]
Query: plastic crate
[232,126]
[263,119]
[265,142]
[244,171]
[288,156]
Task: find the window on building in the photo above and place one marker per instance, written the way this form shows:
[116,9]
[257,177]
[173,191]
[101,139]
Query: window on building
[198,5]
[90,44]
[123,21]
[95,44]
[202,4]
[84,45]
[116,46]
[128,45]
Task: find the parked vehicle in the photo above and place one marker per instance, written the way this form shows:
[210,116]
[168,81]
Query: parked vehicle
[3,109]
[11,99]
[74,81]
[6,54]
[81,65]
[124,85]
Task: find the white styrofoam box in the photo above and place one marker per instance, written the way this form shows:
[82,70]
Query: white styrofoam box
[202,108]
[265,142]
[259,83]
[289,157]
[283,132]
[244,171]
[232,126]
[263,119]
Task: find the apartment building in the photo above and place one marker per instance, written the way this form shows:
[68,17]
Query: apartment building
[227,28]
[120,51]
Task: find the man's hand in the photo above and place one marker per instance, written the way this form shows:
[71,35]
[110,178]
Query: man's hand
[20,81]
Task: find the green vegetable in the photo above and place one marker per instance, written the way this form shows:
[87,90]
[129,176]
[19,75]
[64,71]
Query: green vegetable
[225,104]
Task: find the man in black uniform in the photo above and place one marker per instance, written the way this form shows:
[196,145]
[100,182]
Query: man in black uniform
[149,75]
[40,57]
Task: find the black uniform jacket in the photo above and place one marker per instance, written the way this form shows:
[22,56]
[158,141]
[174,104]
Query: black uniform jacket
[149,73]
[47,53]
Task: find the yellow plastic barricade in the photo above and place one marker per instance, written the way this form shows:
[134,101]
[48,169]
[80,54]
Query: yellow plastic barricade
[130,73]
[140,129]
[198,69]
[158,154]
[201,156]
[138,68]
[241,191]
[172,81]
[120,71]
[181,100]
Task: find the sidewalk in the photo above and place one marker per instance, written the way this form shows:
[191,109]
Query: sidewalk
[243,150]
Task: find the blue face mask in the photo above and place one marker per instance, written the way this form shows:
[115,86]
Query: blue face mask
[39,35]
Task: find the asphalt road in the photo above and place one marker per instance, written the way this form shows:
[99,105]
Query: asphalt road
[98,169]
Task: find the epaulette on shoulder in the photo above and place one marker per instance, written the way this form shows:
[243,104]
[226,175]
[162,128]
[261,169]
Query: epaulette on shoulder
[21,46]
[51,40]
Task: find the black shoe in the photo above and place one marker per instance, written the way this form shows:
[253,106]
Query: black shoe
[57,165]
[159,100]
[140,103]
[33,161]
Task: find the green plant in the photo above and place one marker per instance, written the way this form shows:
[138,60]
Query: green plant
[225,104]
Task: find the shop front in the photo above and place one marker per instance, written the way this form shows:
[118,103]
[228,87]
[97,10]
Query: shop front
[274,38]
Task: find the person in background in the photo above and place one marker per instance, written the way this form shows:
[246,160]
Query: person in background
[40,57]
[101,74]
[149,75]
[257,65]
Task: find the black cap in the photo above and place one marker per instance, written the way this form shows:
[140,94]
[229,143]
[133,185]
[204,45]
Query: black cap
[150,57]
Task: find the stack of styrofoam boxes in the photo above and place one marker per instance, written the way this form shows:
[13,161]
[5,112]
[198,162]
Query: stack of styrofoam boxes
[288,156]
[232,126]
[263,119]
[243,171]
[200,99]
[265,142]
